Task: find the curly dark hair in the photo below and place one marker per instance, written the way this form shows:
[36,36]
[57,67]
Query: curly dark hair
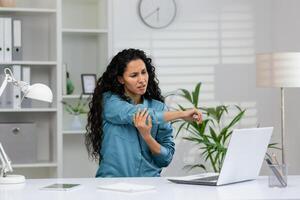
[109,82]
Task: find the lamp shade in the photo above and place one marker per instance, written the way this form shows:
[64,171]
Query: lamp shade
[278,69]
[39,92]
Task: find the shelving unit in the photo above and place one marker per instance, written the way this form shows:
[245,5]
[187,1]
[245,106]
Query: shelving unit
[39,52]
[34,165]
[28,110]
[57,32]
[86,36]
[74,96]
[26,11]
[31,63]
[74,132]
[84,31]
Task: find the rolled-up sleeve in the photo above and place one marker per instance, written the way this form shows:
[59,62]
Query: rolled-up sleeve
[167,146]
[118,111]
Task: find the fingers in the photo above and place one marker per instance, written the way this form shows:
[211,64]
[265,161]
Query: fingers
[135,117]
[149,121]
[144,116]
[197,116]
[200,118]
[144,112]
[143,122]
[140,116]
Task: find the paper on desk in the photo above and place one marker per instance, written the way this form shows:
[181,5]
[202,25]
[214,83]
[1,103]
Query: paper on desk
[126,187]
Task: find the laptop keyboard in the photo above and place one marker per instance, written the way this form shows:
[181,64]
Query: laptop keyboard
[210,178]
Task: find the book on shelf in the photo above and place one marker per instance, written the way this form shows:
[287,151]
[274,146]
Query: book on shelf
[10,39]
[1,39]
[17,40]
[26,103]
[16,91]
[7,29]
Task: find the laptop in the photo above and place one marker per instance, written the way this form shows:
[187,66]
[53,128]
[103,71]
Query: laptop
[243,160]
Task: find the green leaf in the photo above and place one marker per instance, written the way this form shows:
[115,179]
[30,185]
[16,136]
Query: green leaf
[179,129]
[190,167]
[236,119]
[226,136]
[220,110]
[273,146]
[186,94]
[195,94]
[193,139]
[222,135]
[213,134]
[182,108]
[177,121]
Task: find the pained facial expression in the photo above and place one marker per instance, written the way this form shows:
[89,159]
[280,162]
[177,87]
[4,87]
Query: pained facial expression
[135,78]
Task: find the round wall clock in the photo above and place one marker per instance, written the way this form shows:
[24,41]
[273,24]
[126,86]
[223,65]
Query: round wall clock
[157,13]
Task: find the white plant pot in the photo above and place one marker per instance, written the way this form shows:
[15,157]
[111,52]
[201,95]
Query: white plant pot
[76,123]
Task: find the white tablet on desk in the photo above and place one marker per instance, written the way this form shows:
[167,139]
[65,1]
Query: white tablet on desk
[126,187]
[61,186]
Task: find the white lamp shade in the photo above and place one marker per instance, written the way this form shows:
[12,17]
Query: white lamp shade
[278,69]
[39,92]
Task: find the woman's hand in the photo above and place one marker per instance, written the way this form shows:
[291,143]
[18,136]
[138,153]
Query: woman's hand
[192,115]
[140,122]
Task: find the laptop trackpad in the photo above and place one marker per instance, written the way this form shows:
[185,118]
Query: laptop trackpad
[195,177]
[209,179]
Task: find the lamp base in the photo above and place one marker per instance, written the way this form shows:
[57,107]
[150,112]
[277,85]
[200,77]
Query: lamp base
[12,179]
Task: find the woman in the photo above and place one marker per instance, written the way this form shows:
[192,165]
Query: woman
[128,126]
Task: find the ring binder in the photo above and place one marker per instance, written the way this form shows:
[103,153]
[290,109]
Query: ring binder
[17,40]
[7,39]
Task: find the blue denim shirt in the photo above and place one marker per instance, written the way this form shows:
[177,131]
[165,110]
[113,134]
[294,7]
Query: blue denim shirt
[124,152]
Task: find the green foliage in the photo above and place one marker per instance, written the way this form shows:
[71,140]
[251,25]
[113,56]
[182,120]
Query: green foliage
[79,107]
[212,134]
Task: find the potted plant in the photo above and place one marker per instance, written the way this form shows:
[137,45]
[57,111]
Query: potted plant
[76,110]
[212,135]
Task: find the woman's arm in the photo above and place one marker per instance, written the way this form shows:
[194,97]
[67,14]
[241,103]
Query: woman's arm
[144,129]
[118,111]
[188,115]
[162,149]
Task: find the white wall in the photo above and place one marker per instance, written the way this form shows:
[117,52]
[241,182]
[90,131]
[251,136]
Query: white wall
[285,37]
[226,35]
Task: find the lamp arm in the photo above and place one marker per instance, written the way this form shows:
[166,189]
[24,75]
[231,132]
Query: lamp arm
[10,78]
[3,86]
[6,163]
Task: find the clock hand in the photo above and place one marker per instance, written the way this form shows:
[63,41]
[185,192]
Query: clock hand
[154,11]
[157,15]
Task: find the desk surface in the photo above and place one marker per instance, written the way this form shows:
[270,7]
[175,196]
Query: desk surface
[257,189]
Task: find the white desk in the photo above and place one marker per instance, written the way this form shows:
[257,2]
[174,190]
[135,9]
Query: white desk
[165,190]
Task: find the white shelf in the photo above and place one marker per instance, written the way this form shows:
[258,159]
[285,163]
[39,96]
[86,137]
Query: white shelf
[56,32]
[27,10]
[74,132]
[50,63]
[32,165]
[84,31]
[28,110]
[74,96]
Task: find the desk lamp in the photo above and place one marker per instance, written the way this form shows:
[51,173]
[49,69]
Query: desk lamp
[6,167]
[36,91]
[279,70]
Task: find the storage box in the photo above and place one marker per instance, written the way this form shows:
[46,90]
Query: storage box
[19,141]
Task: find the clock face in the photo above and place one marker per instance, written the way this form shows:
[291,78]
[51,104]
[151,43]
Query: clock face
[157,13]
